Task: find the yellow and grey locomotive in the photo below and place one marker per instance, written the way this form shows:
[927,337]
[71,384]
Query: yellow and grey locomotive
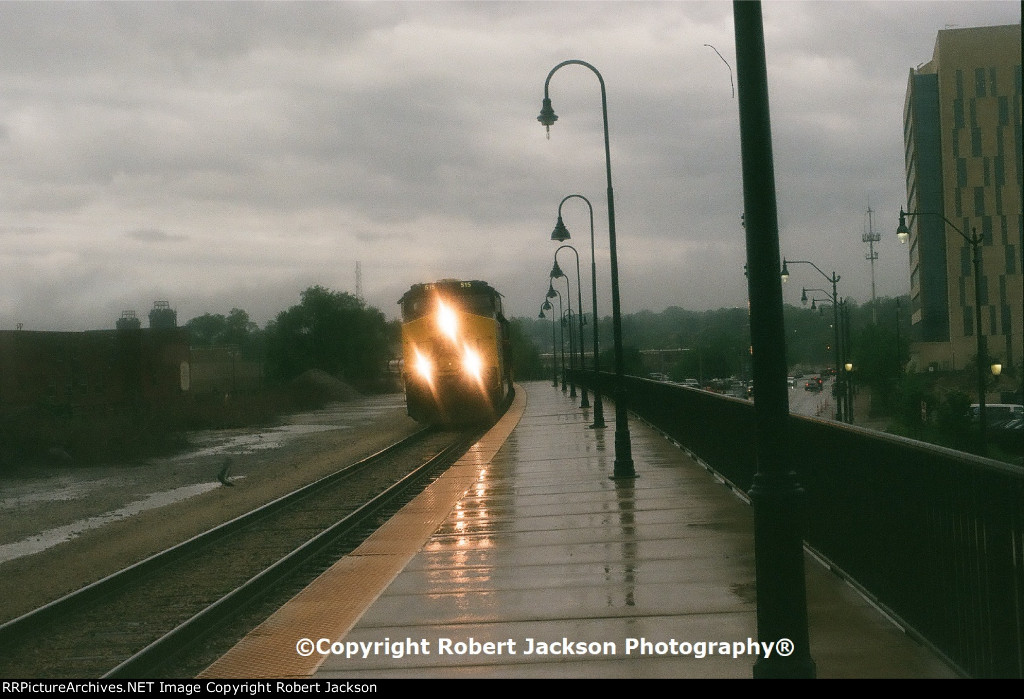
[455,349]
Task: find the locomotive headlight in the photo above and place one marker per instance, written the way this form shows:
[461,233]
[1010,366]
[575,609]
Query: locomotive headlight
[447,320]
[472,364]
[423,367]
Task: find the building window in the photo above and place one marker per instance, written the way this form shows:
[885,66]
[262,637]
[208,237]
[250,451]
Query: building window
[976,142]
[1011,259]
[979,82]
[979,201]
[961,172]
[1004,111]
[1007,320]
[968,321]
[958,114]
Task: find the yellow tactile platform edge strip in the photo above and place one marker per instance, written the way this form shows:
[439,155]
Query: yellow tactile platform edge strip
[332,604]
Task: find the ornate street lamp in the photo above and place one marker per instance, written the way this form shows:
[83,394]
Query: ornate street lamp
[554,364]
[585,402]
[623,448]
[552,293]
[561,234]
[557,273]
[975,241]
[776,494]
[567,323]
[835,314]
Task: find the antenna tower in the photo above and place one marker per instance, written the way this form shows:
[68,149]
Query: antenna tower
[871,238]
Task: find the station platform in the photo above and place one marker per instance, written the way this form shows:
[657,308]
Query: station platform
[526,560]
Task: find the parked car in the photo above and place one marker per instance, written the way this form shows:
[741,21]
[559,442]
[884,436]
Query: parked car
[815,383]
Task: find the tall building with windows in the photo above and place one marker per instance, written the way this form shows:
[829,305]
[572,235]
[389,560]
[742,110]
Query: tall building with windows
[962,133]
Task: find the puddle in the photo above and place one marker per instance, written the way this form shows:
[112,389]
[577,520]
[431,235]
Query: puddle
[52,537]
[242,444]
[103,494]
[60,493]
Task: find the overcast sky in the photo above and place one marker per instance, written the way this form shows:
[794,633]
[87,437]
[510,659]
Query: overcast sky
[231,155]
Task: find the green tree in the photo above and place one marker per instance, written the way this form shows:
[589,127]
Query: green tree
[236,329]
[331,331]
[526,362]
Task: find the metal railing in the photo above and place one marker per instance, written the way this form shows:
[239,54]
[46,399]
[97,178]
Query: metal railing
[934,536]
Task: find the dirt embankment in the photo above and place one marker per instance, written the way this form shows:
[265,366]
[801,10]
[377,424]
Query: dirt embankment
[257,477]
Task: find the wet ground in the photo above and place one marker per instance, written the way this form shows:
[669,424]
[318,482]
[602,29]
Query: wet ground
[61,527]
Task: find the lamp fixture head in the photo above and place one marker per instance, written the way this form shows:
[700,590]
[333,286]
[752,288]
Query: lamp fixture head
[556,271]
[785,271]
[902,232]
[547,116]
[561,233]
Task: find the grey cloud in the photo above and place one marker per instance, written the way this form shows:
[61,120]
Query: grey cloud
[154,235]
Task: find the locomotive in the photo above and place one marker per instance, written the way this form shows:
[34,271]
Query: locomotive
[456,353]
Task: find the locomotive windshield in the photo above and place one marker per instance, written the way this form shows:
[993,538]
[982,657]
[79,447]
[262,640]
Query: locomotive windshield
[477,298]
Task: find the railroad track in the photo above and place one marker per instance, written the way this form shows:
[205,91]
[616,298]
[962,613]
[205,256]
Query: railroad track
[147,620]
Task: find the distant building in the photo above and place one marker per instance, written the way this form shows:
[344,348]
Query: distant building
[70,371]
[962,132]
[76,370]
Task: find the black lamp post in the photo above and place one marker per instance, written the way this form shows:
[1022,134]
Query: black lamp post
[903,233]
[552,293]
[554,364]
[561,234]
[557,273]
[776,493]
[623,447]
[585,401]
[843,388]
[835,316]
[567,323]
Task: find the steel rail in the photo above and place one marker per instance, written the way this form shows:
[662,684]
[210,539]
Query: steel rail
[176,641]
[10,631]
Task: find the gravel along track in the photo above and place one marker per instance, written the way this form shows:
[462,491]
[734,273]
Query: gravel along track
[266,464]
[88,639]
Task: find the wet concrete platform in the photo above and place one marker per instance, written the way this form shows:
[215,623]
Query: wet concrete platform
[543,566]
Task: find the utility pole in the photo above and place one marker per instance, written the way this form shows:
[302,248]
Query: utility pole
[871,238]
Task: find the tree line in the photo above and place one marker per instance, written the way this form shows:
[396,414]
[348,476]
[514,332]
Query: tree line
[332,331]
[336,332]
[719,340]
